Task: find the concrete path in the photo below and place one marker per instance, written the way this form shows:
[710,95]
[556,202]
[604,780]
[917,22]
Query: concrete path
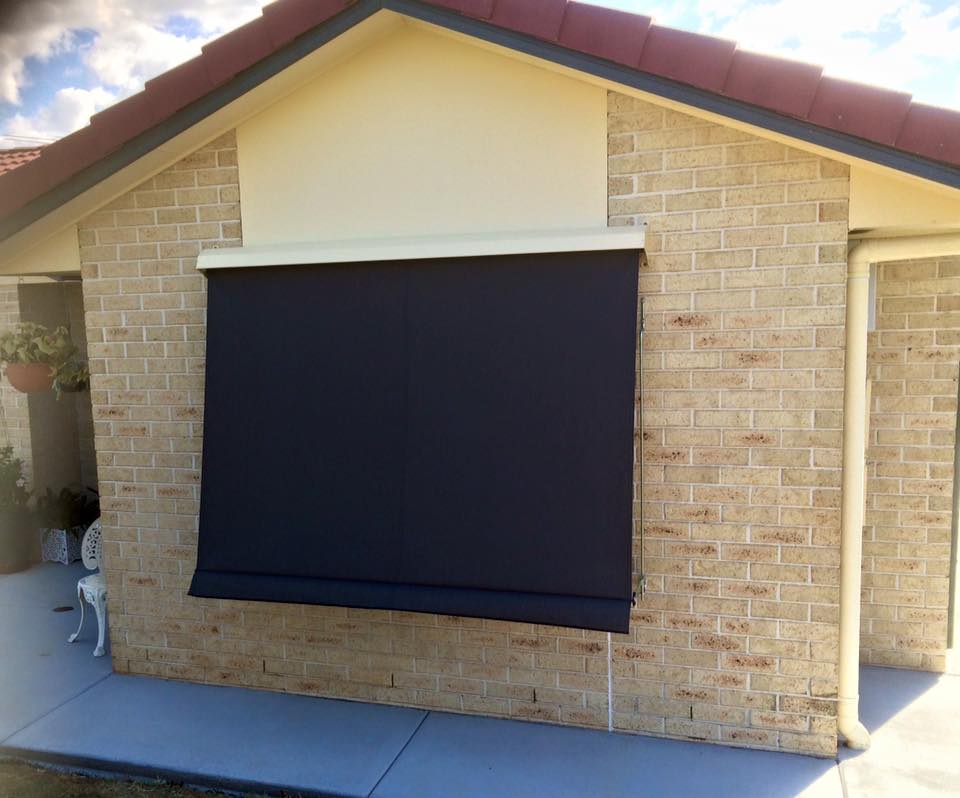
[254,741]
[39,671]
[59,704]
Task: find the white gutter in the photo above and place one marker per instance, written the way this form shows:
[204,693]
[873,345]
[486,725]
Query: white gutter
[859,260]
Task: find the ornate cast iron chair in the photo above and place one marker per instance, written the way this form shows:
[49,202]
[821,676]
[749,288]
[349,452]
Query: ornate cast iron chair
[92,589]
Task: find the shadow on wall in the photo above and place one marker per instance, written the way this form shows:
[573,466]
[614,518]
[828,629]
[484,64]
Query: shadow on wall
[61,430]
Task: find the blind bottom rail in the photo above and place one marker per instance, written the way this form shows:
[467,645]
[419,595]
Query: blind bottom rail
[601,614]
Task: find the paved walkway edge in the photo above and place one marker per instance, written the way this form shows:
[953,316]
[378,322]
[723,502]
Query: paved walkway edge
[438,754]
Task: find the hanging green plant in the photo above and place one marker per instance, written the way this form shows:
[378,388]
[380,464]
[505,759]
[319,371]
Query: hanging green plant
[72,377]
[34,354]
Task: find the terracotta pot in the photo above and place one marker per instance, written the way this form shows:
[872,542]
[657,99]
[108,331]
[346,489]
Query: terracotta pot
[30,377]
[15,539]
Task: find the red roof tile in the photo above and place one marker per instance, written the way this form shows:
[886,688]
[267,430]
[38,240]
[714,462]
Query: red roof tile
[614,35]
[287,19]
[786,87]
[931,130]
[17,156]
[238,50]
[126,119]
[180,86]
[540,18]
[870,112]
[701,61]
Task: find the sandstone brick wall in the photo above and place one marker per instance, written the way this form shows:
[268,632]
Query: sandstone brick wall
[736,640]
[914,355]
[144,304]
[744,291]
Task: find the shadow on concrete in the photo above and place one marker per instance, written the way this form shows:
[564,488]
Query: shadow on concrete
[885,692]
[914,724]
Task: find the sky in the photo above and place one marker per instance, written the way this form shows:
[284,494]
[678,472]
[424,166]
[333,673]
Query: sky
[63,60]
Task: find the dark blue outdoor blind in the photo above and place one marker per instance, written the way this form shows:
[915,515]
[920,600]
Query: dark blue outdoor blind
[445,435]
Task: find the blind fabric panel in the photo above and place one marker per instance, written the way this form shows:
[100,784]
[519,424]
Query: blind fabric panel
[445,435]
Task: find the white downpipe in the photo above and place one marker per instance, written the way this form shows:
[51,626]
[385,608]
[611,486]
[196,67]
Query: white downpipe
[854,444]
[852,502]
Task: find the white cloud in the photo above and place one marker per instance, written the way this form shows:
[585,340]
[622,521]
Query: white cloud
[137,52]
[900,44]
[31,29]
[132,43]
[846,37]
[70,109]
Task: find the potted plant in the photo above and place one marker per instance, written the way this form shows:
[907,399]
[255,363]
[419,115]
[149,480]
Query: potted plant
[72,377]
[15,521]
[64,517]
[33,354]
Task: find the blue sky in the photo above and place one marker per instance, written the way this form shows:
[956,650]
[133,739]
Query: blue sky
[63,60]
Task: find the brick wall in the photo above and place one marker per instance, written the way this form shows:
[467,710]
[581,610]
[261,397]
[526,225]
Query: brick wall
[736,640]
[144,304]
[914,355]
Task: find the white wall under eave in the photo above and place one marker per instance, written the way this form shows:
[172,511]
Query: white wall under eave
[58,254]
[900,204]
[423,135]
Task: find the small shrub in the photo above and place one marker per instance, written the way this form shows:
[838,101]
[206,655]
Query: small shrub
[72,510]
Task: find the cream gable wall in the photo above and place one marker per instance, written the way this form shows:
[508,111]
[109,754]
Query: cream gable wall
[58,254]
[881,201]
[424,135]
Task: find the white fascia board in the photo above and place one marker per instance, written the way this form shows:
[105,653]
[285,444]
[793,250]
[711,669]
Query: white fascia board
[422,247]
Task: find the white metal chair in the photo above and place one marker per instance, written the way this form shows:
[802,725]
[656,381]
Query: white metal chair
[92,589]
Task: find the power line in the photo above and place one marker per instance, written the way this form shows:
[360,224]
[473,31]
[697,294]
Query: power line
[40,139]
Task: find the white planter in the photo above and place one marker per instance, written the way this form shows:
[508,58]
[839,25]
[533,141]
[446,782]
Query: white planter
[58,545]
